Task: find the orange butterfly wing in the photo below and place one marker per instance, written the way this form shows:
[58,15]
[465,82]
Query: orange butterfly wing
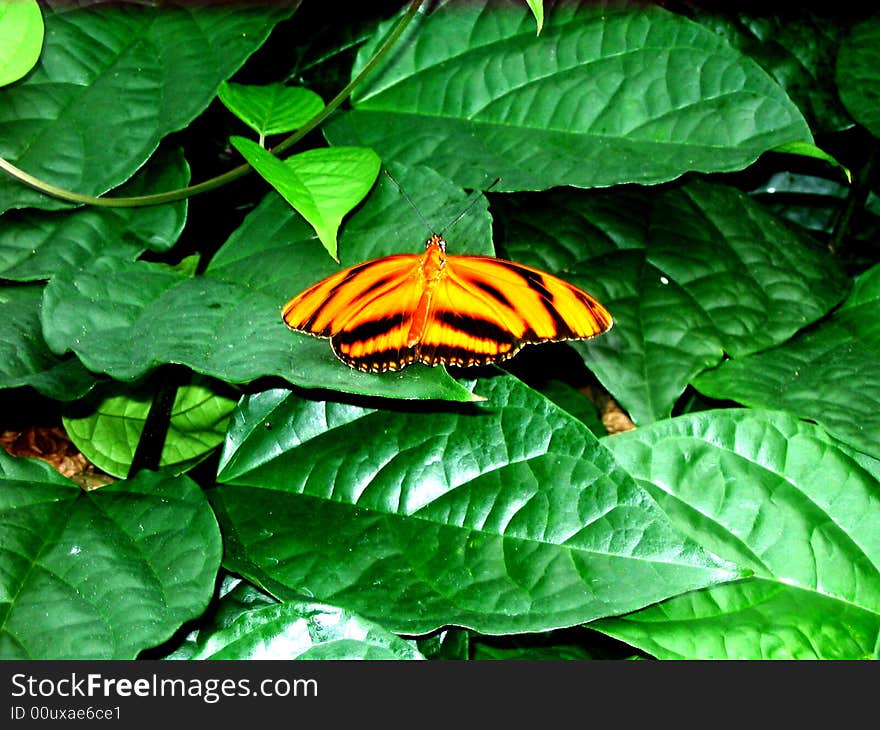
[365,310]
[457,310]
[485,309]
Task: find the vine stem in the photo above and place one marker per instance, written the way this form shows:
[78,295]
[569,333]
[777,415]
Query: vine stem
[236,172]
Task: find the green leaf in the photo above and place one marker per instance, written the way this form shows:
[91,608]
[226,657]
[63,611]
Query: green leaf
[274,251]
[735,279]
[125,319]
[576,403]
[607,94]
[795,45]
[38,244]
[112,81]
[779,496]
[323,185]
[270,109]
[829,373]
[101,574]
[507,517]
[248,626]
[858,78]
[807,149]
[107,426]
[537,8]
[21,38]
[25,358]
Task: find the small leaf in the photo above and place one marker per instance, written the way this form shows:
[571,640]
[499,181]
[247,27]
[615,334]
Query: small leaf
[21,38]
[537,8]
[808,149]
[271,109]
[101,574]
[323,185]
[778,496]
[506,517]
[107,427]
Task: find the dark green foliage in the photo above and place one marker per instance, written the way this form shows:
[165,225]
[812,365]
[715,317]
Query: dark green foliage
[429,514]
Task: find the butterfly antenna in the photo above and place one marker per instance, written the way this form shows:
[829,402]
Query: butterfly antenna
[476,199]
[409,200]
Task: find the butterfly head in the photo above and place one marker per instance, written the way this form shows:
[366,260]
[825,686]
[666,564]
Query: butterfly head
[436,241]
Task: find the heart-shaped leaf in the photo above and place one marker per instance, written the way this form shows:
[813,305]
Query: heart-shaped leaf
[21,38]
[505,517]
[112,80]
[107,426]
[270,109]
[776,495]
[101,574]
[608,93]
[323,184]
[829,374]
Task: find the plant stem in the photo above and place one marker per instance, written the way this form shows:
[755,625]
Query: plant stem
[148,453]
[233,174]
[855,200]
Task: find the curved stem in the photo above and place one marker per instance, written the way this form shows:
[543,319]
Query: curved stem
[236,172]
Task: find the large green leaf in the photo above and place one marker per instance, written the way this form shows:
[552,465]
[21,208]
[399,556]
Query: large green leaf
[734,278]
[113,79]
[794,44]
[858,77]
[247,624]
[107,426]
[101,574]
[124,319]
[38,244]
[505,517]
[829,373]
[21,38]
[322,184]
[776,495]
[25,358]
[608,93]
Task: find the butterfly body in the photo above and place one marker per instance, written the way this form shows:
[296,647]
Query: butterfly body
[433,308]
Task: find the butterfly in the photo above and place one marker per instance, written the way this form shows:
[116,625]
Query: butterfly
[432,308]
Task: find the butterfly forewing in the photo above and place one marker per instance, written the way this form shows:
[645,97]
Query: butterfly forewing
[325,307]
